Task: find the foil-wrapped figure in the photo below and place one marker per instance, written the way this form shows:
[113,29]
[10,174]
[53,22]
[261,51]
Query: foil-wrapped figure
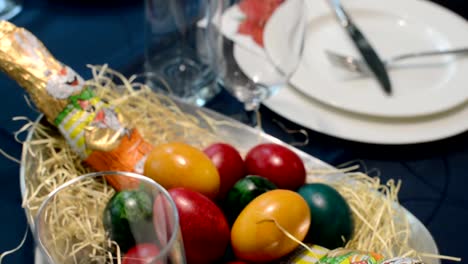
[97,131]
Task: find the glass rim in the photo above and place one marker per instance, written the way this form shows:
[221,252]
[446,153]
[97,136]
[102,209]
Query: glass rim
[11,10]
[162,253]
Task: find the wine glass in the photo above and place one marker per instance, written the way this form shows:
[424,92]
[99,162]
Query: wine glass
[250,61]
[86,221]
[10,8]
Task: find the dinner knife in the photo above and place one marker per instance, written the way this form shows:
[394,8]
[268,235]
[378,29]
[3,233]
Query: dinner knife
[368,53]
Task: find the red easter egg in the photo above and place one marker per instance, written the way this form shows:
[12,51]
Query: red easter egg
[141,254]
[205,230]
[229,163]
[278,164]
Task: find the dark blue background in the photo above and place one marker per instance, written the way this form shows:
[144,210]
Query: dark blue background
[95,32]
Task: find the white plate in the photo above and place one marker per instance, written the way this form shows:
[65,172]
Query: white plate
[295,106]
[420,87]
[314,114]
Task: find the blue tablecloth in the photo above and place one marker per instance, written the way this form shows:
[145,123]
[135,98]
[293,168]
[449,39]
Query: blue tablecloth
[435,175]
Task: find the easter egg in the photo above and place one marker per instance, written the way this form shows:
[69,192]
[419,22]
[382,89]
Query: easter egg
[205,231]
[229,163]
[178,164]
[244,191]
[142,254]
[331,216]
[255,235]
[127,218]
[277,163]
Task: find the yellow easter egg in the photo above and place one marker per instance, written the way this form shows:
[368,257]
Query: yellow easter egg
[255,235]
[177,164]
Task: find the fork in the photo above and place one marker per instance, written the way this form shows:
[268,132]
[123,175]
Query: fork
[357,65]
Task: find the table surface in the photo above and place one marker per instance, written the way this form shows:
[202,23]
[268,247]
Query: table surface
[78,33]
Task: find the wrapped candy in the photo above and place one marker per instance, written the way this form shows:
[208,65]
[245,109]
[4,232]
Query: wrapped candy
[319,255]
[347,256]
[99,132]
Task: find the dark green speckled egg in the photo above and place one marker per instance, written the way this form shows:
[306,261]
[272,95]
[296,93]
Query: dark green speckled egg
[243,192]
[331,219]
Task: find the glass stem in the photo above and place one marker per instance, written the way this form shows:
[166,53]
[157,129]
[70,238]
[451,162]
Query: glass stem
[253,116]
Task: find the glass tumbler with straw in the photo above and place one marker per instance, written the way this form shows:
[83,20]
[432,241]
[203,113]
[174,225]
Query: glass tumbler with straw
[251,62]
[86,221]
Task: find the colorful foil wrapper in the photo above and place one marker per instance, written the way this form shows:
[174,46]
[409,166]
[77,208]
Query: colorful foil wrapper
[30,64]
[97,131]
[319,255]
[346,256]
[306,256]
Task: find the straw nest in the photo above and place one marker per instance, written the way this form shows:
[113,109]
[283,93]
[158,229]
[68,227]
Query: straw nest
[76,228]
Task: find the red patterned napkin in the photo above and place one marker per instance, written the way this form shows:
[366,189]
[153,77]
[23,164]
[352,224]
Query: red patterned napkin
[257,13]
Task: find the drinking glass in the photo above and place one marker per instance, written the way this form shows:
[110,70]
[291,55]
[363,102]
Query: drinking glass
[177,50]
[74,214]
[10,8]
[251,61]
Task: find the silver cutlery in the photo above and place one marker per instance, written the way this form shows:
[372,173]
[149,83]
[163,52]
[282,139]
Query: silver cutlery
[369,55]
[357,65]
